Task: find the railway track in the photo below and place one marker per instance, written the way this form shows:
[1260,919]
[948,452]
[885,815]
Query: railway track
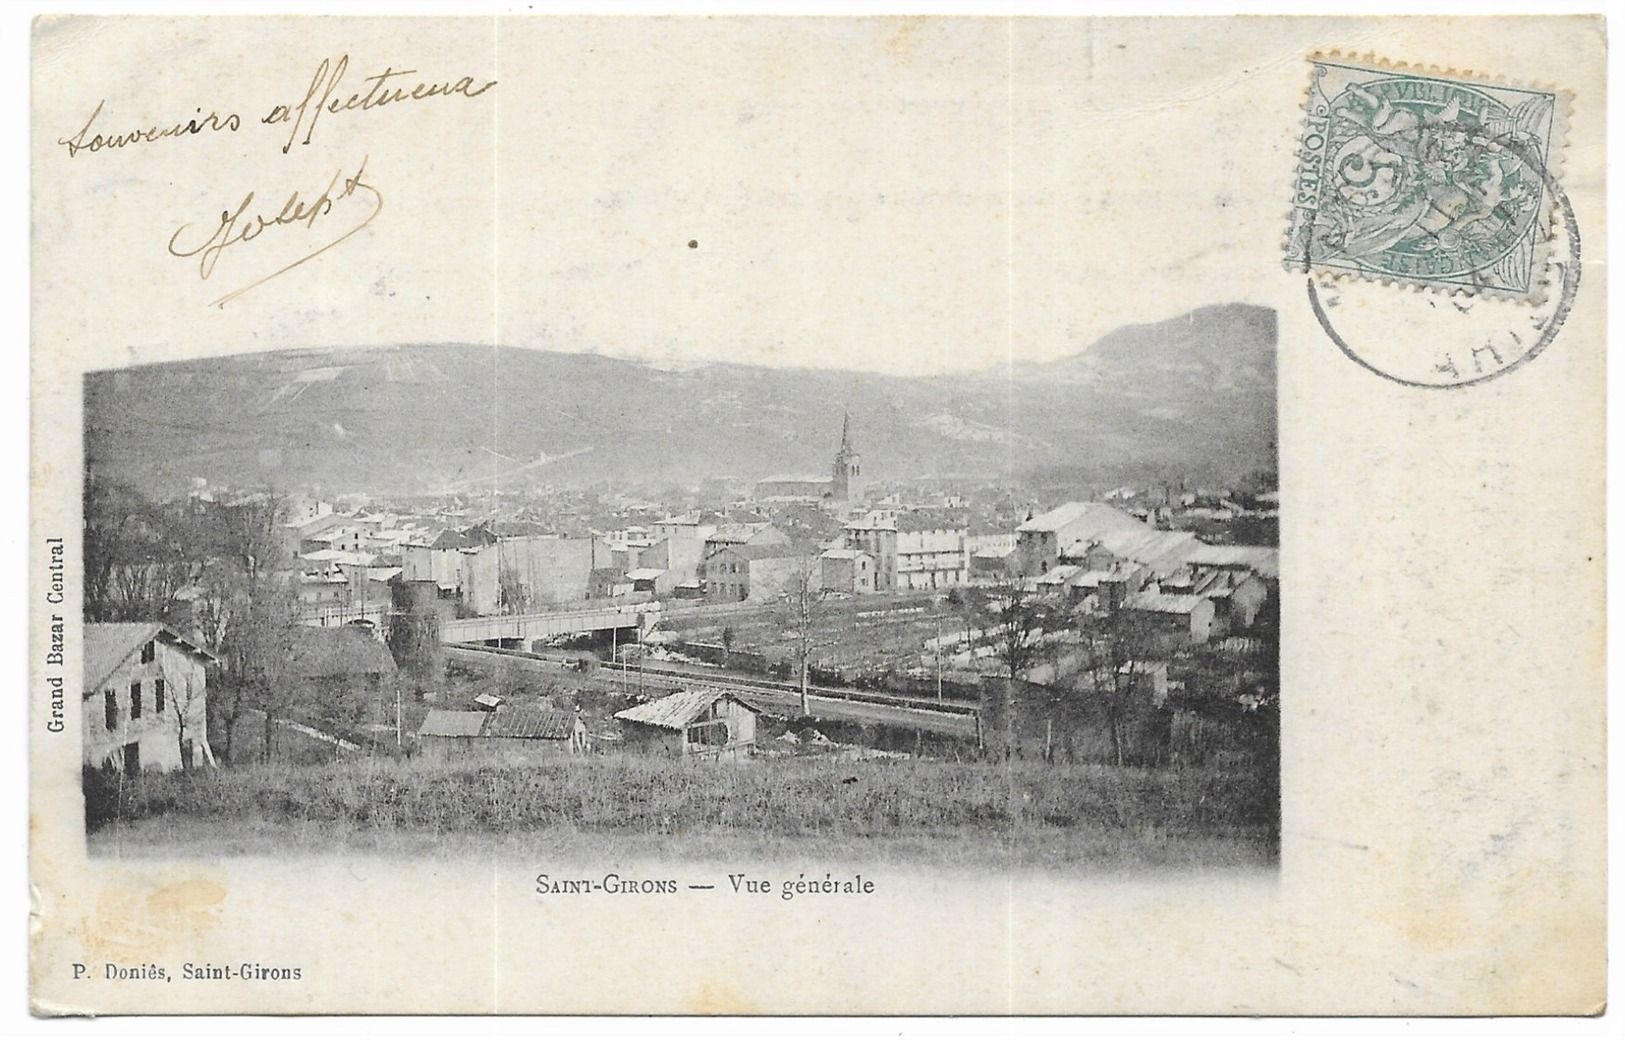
[942,716]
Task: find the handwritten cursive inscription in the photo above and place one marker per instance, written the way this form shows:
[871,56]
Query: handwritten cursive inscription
[324,95]
[237,226]
[85,141]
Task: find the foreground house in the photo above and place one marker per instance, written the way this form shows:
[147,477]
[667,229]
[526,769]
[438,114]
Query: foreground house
[991,559]
[734,534]
[145,706]
[1157,553]
[692,724]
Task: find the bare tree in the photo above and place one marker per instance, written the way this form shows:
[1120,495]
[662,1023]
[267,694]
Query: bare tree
[218,587]
[184,700]
[802,601]
[149,588]
[259,647]
[512,595]
[110,515]
[1019,624]
[1115,649]
[251,608]
[253,534]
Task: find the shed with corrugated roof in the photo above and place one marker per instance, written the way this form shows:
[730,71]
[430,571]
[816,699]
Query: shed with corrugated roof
[510,729]
[703,723]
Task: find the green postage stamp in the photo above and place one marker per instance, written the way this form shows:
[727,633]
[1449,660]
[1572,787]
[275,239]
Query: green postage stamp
[1425,180]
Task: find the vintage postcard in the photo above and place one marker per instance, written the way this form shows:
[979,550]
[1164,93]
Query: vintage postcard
[788,515]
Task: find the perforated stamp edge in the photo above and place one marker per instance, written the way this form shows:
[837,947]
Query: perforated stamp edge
[1299,217]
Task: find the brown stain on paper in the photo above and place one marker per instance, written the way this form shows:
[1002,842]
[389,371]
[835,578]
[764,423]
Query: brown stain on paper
[901,42]
[174,918]
[714,998]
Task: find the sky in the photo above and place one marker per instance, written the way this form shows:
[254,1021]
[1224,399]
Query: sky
[897,195]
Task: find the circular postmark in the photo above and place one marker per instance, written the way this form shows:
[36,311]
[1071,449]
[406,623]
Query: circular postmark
[1433,340]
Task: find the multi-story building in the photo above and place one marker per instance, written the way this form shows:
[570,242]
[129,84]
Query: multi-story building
[489,574]
[1041,540]
[145,702]
[756,573]
[847,570]
[912,551]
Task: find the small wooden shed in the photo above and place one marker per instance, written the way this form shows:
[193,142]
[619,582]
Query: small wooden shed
[534,730]
[449,734]
[703,724]
[510,730]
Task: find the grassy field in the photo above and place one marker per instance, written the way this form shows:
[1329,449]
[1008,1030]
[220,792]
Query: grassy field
[947,813]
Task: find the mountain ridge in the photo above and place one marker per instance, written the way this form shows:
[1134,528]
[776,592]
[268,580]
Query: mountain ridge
[1194,394]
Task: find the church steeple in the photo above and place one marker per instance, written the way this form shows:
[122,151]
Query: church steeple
[848,468]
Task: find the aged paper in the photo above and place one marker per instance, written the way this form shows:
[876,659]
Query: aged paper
[267,253]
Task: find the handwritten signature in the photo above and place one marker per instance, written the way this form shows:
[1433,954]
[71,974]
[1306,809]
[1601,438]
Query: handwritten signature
[237,226]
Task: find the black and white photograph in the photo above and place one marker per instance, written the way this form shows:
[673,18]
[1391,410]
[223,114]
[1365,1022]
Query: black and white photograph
[422,597]
[816,515]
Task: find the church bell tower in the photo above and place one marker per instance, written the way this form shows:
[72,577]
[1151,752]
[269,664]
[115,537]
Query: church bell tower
[848,469]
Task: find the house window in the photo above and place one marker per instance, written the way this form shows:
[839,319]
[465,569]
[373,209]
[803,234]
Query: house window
[149,653]
[158,696]
[110,706]
[135,701]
